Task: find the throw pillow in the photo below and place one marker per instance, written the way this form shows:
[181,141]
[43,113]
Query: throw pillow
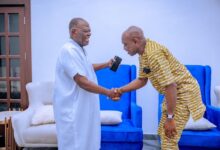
[110,117]
[201,124]
[43,115]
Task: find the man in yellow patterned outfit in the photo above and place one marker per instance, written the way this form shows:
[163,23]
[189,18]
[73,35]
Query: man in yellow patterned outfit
[169,77]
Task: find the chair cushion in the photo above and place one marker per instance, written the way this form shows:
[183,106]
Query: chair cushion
[124,132]
[43,115]
[110,117]
[43,134]
[209,138]
[201,124]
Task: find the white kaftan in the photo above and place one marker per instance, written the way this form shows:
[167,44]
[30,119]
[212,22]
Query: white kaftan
[76,111]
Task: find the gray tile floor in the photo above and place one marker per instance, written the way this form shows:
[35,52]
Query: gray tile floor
[151,145]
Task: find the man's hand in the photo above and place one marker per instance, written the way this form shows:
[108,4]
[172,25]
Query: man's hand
[110,62]
[170,128]
[118,94]
[114,94]
[103,65]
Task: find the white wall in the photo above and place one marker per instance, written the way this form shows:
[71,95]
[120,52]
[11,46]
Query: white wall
[190,29]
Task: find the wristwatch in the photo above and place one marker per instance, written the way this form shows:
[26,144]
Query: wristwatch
[170,116]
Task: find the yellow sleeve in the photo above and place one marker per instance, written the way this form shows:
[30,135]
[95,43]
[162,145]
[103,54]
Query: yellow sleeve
[161,69]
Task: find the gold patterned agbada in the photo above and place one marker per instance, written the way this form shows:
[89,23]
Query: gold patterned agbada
[162,68]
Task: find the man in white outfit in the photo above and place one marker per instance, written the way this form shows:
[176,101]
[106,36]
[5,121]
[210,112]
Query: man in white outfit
[76,102]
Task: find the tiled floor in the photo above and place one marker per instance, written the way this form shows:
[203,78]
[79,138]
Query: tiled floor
[151,145]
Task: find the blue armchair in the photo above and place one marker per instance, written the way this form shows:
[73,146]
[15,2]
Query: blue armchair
[201,140]
[128,135]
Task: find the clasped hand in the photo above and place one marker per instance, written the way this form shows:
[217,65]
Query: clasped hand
[114,94]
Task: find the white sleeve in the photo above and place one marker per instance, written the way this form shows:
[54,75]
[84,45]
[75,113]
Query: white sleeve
[72,63]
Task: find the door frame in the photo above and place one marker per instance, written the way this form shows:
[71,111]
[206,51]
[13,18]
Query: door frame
[27,39]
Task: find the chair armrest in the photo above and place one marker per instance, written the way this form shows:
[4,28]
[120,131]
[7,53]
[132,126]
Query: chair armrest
[213,115]
[136,115]
[20,122]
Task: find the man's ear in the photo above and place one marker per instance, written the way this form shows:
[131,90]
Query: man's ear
[73,31]
[135,40]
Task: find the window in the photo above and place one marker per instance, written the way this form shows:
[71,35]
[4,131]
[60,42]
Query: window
[15,53]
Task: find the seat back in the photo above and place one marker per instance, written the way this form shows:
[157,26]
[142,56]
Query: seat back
[203,75]
[121,77]
[40,93]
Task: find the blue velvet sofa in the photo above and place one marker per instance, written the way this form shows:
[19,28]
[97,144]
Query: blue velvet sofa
[128,135]
[201,140]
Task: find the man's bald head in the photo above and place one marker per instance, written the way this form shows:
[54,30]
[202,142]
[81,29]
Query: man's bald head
[75,22]
[133,32]
[133,40]
[79,30]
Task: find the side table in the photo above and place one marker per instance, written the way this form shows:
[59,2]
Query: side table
[5,120]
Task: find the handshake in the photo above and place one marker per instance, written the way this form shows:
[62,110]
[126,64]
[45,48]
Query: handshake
[114,94]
